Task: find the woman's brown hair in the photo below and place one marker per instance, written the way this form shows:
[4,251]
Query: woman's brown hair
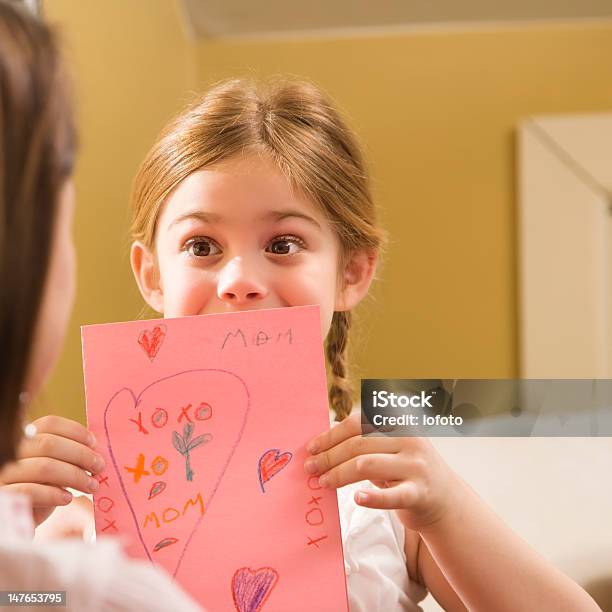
[37,143]
[295,124]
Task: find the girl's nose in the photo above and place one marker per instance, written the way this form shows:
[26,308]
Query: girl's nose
[239,285]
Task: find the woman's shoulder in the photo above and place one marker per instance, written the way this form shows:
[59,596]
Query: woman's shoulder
[95,576]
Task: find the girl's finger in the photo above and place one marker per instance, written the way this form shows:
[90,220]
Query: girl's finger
[41,496]
[44,470]
[351,426]
[348,449]
[63,449]
[67,428]
[400,497]
[383,467]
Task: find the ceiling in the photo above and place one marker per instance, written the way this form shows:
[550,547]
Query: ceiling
[247,18]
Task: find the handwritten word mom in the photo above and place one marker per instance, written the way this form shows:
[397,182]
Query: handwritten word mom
[170,514]
[259,338]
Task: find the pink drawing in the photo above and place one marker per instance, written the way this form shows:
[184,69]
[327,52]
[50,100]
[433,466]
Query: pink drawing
[270,464]
[192,503]
[139,461]
[251,588]
[151,340]
[165,542]
[184,444]
[157,488]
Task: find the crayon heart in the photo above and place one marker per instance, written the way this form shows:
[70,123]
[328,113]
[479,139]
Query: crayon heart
[251,588]
[151,340]
[271,463]
[165,448]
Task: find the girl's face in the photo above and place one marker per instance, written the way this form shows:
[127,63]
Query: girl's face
[235,237]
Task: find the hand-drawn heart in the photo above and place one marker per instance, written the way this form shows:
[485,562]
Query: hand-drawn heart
[251,588]
[151,340]
[170,447]
[271,463]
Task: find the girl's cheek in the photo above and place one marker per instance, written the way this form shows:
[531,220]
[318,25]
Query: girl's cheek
[188,295]
[309,286]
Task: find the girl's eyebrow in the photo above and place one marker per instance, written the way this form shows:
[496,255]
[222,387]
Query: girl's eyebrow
[195,214]
[274,215]
[279,215]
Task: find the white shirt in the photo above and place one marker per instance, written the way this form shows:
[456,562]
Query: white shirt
[96,577]
[374,557]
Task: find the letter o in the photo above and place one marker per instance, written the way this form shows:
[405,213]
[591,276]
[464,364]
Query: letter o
[203,411]
[159,418]
[311,522]
[316,486]
[105,504]
[159,465]
[169,520]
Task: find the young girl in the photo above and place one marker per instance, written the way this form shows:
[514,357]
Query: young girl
[257,197]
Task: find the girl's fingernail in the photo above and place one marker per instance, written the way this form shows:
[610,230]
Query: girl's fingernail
[310,466]
[91,440]
[67,496]
[98,463]
[93,485]
[361,497]
[312,447]
[323,480]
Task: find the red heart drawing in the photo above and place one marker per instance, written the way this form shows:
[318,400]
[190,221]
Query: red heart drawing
[151,340]
[167,472]
[251,588]
[271,463]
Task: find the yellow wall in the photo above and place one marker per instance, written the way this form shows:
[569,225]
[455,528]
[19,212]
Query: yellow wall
[436,111]
[132,67]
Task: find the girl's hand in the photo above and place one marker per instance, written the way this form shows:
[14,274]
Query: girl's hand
[412,477]
[76,520]
[60,455]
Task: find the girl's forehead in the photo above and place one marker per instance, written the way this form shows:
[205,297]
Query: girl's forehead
[250,188]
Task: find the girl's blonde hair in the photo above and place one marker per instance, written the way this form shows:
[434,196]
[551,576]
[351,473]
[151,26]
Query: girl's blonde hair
[295,124]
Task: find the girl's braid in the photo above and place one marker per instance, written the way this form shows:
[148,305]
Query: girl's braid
[340,391]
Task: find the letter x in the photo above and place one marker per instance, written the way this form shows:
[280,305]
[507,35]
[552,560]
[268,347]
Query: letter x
[184,414]
[139,470]
[311,541]
[102,479]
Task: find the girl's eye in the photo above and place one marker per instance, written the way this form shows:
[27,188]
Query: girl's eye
[202,247]
[285,245]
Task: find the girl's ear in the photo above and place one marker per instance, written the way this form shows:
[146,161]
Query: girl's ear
[147,278]
[356,280]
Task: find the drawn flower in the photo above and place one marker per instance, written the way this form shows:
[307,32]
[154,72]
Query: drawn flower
[184,445]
